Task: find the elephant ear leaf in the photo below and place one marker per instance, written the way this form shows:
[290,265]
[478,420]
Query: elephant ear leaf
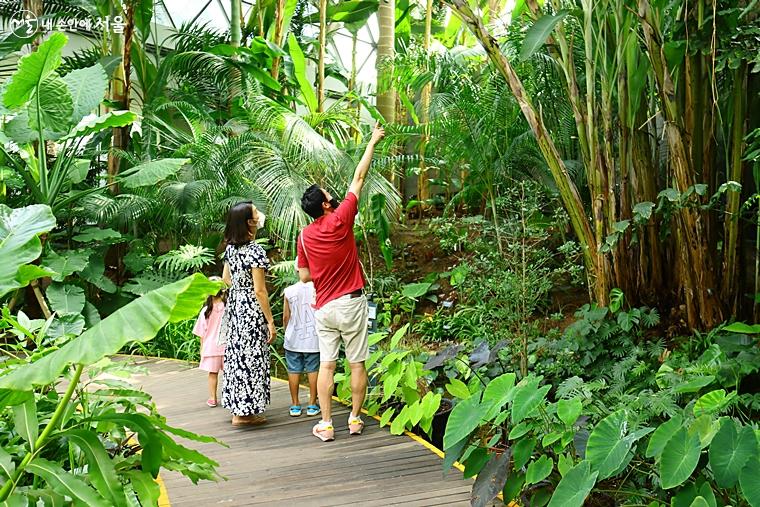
[20,244]
[33,69]
[87,88]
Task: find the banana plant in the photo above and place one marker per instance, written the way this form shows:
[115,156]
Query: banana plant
[71,442]
[46,123]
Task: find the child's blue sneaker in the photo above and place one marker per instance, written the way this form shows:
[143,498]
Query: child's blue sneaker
[312,410]
[295,410]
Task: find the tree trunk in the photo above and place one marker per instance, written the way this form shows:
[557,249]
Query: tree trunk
[352,85]
[120,91]
[36,8]
[598,281]
[322,47]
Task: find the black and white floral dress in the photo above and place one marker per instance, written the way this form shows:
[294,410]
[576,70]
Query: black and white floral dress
[245,388]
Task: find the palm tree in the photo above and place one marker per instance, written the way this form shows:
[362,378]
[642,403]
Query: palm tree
[386,49]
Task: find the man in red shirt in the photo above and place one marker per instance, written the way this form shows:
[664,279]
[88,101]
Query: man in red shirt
[327,256]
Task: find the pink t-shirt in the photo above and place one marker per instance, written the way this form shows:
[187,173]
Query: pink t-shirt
[208,330]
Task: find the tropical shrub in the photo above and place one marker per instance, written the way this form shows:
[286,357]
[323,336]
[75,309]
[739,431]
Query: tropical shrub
[400,386]
[538,451]
[628,432]
[66,433]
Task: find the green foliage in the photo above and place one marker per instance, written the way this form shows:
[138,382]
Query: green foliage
[188,258]
[400,388]
[74,445]
[20,244]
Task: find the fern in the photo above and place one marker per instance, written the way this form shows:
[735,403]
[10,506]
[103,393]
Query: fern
[650,319]
[186,258]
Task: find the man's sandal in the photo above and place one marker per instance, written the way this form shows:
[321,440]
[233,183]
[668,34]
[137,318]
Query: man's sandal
[355,425]
[324,431]
[295,410]
[312,410]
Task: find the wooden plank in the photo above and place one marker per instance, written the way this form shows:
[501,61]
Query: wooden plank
[281,463]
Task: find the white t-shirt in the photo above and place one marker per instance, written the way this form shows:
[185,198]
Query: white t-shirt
[301,334]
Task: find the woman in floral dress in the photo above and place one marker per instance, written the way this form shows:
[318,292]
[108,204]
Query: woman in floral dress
[248,326]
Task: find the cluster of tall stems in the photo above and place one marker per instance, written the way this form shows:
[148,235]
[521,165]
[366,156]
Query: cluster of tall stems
[654,110]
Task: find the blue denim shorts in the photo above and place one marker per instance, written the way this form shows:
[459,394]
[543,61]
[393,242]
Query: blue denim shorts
[302,362]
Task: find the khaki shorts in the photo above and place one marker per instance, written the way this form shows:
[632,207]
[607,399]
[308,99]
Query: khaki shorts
[345,318]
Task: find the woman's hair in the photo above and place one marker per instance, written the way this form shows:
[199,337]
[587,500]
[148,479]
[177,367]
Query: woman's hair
[311,201]
[236,231]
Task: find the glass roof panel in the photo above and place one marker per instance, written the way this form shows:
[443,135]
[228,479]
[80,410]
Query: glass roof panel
[214,15]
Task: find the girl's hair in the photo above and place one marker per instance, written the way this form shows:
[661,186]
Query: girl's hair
[210,300]
[236,231]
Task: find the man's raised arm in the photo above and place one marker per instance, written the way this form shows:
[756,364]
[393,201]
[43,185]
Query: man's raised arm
[361,170]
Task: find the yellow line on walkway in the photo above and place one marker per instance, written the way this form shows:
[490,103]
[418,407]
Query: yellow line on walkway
[163,499]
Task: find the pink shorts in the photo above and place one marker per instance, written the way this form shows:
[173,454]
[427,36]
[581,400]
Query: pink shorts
[211,364]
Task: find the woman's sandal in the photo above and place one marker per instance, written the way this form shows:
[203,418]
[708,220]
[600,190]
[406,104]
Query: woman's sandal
[324,431]
[255,420]
[211,403]
[295,410]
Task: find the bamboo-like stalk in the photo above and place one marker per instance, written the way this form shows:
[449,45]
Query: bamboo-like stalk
[321,61]
[63,403]
[568,192]
[423,184]
[236,33]
[279,34]
[704,308]
[731,226]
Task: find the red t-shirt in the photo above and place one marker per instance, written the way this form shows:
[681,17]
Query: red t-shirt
[331,254]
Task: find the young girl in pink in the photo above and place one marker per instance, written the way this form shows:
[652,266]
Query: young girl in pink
[207,327]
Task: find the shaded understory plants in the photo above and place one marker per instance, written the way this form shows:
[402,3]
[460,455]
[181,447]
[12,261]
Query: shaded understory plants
[70,429]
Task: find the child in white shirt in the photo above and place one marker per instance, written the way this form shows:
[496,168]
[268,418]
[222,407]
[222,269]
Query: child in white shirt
[301,344]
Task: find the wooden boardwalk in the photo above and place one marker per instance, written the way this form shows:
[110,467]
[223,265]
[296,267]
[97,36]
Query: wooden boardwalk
[281,463]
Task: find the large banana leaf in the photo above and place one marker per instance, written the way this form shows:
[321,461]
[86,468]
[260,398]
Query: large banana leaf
[348,11]
[19,242]
[299,68]
[152,172]
[33,69]
[138,321]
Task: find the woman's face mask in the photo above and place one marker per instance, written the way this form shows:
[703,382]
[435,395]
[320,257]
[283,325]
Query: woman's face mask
[261,218]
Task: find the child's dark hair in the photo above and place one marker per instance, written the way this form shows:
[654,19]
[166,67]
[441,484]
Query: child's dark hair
[210,301]
[236,231]
[311,201]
